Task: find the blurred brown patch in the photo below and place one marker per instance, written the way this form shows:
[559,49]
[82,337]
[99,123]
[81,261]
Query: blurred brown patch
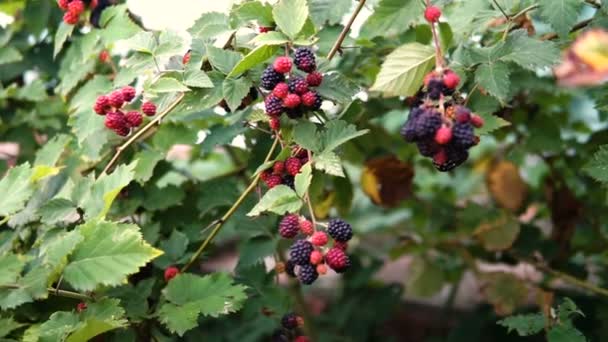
[506,185]
[387,180]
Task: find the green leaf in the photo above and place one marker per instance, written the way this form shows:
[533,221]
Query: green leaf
[257,56]
[567,309]
[33,285]
[499,234]
[561,14]
[392,17]
[146,161]
[117,24]
[168,85]
[279,200]
[290,16]
[10,268]
[63,33]
[505,291]
[58,327]
[337,87]
[338,132]
[107,255]
[306,135]
[254,250]
[7,325]
[99,198]
[144,42]
[197,79]
[54,252]
[234,91]
[328,11]
[424,278]
[210,25]
[330,163]
[530,53]
[494,78]
[403,71]
[9,54]
[169,44]
[221,135]
[189,296]
[270,38]
[303,180]
[254,11]
[51,151]
[597,167]
[17,189]
[223,60]
[57,210]
[525,325]
[565,333]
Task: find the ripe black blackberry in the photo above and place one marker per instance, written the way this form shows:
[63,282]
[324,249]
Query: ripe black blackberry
[274,105]
[455,156]
[289,226]
[290,268]
[280,335]
[290,321]
[409,131]
[339,230]
[305,60]
[307,274]
[463,134]
[299,253]
[270,78]
[427,124]
[294,113]
[297,85]
[290,181]
[427,148]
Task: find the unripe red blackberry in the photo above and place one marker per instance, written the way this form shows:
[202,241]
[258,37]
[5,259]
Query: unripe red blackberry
[477,121]
[273,181]
[282,65]
[307,274]
[316,257]
[122,131]
[337,260]
[270,78]
[281,90]
[273,105]
[293,165]
[116,99]
[104,56]
[289,226]
[339,230]
[134,119]
[186,58]
[463,114]
[264,29]
[275,124]
[319,238]
[289,321]
[76,7]
[265,175]
[81,306]
[341,245]
[115,120]
[300,251]
[128,93]
[451,79]
[321,269]
[432,14]
[171,272]
[312,100]
[278,167]
[102,105]
[307,227]
[302,339]
[314,79]
[297,85]
[304,59]
[148,108]
[443,135]
[291,101]
[63,4]
[71,18]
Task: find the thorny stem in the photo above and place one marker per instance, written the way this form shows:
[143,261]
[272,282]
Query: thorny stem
[142,132]
[54,291]
[229,213]
[342,36]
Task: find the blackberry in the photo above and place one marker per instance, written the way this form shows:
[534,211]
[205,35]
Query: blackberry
[299,253]
[307,274]
[293,165]
[312,100]
[463,134]
[337,260]
[455,156]
[280,336]
[274,105]
[428,124]
[435,88]
[294,113]
[148,108]
[290,268]
[270,78]
[289,226]
[305,60]
[427,148]
[339,230]
[409,131]
[290,321]
[290,181]
[297,85]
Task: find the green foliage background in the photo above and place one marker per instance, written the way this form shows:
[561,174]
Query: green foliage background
[107,238]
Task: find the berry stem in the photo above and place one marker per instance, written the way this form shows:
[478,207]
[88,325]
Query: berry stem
[142,132]
[501,10]
[218,226]
[309,202]
[438,53]
[54,291]
[342,36]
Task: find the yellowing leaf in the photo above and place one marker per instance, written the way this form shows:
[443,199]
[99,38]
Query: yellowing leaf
[387,180]
[506,185]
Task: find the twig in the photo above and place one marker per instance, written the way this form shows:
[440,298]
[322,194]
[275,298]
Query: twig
[345,31]
[593,3]
[69,294]
[501,10]
[142,132]
[581,25]
[229,213]
[438,54]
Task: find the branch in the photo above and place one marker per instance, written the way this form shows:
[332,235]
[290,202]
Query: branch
[69,294]
[218,226]
[142,132]
[344,32]
[581,25]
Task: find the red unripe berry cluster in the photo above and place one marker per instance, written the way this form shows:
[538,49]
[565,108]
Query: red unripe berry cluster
[432,14]
[170,273]
[283,172]
[73,9]
[112,106]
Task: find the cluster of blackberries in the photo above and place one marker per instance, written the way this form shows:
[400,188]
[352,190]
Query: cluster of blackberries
[293,95]
[290,329]
[110,105]
[309,255]
[284,172]
[443,131]
[73,9]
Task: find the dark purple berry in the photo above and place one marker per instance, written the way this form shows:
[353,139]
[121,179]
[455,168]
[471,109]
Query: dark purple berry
[428,148]
[305,60]
[270,78]
[307,274]
[289,226]
[297,85]
[290,321]
[274,105]
[290,268]
[339,230]
[299,253]
[463,134]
